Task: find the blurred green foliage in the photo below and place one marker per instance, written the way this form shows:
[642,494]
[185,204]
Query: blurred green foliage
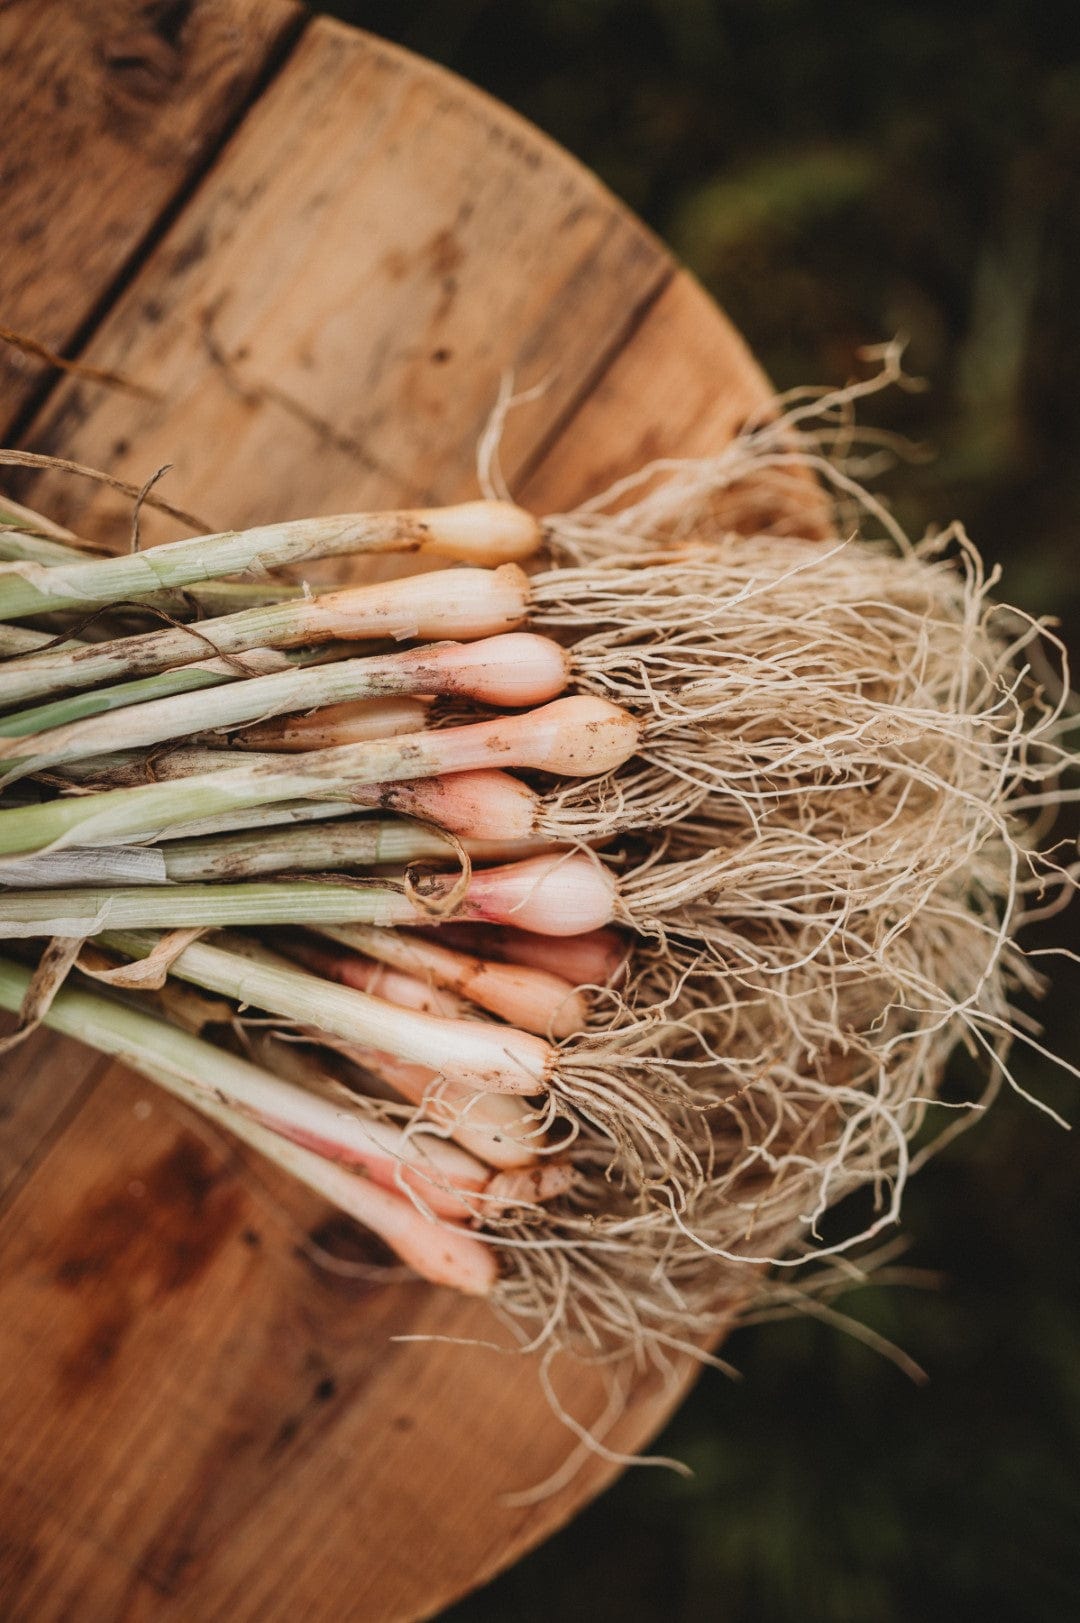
[836,174]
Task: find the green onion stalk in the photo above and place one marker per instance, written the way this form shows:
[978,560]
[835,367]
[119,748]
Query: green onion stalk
[511,670]
[472,532]
[574,737]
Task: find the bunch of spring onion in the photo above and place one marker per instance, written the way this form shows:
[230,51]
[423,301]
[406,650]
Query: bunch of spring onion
[585,933]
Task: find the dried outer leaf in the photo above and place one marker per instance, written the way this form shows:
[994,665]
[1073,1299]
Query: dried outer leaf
[52,971]
[86,865]
[147,974]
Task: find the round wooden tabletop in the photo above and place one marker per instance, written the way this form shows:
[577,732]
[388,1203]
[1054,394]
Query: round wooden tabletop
[320,256]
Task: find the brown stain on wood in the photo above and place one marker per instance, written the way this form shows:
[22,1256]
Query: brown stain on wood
[127,1247]
[145,58]
[445,254]
[306,1369]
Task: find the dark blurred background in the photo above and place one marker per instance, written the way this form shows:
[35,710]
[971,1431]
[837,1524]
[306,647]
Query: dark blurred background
[835,174]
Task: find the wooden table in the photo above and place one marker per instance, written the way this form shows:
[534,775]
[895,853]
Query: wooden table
[321,255]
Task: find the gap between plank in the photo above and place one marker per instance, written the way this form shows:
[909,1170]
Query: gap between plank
[602,366]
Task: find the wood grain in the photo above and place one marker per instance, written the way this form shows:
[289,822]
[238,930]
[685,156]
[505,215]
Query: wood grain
[185,1398]
[331,317]
[38,1086]
[194,1395]
[110,108]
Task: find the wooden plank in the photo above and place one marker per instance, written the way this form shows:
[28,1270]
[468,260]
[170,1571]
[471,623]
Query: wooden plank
[169,1347]
[330,319]
[110,108]
[376,245]
[34,1584]
[191,1395]
[39,1083]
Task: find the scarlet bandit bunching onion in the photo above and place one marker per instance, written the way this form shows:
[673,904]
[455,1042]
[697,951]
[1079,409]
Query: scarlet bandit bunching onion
[853,646]
[462,603]
[575,736]
[514,670]
[527,996]
[815,771]
[474,532]
[629,1094]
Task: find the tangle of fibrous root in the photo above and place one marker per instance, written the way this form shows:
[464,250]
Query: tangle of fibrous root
[851,757]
